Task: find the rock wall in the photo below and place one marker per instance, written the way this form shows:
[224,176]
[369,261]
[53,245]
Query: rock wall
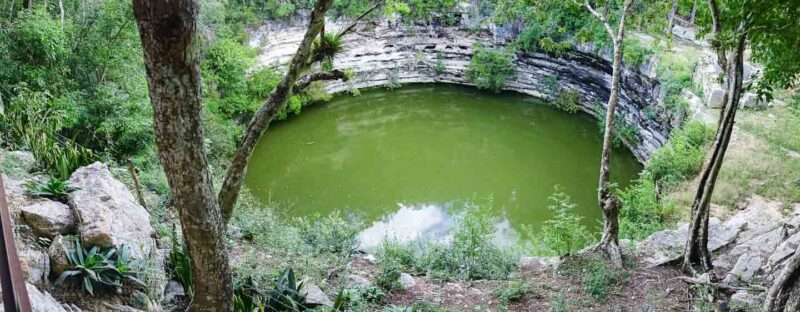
[386,54]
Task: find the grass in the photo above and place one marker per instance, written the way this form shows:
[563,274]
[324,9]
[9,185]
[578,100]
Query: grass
[515,291]
[757,162]
[598,277]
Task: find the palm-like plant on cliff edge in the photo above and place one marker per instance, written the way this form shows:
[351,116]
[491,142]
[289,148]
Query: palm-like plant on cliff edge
[105,268]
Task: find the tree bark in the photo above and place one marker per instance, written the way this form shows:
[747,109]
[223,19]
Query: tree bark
[671,17]
[61,12]
[231,186]
[696,257]
[607,201]
[784,295]
[168,30]
[136,184]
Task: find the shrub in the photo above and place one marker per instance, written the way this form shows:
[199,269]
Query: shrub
[598,277]
[469,256]
[331,234]
[563,233]
[794,104]
[623,132]
[285,296]
[389,275]
[180,268]
[54,188]
[108,268]
[641,214]
[514,292]
[682,156]
[439,68]
[568,101]
[634,54]
[489,68]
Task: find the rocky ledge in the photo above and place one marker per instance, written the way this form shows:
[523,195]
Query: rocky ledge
[384,54]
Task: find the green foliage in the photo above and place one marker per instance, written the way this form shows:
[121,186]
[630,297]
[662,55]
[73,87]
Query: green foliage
[469,256]
[556,48]
[515,291]
[285,296]
[634,54]
[794,104]
[439,68]
[489,68]
[553,26]
[389,275]
[682,156]
[428,11]
[623,132]
[330,234]
[599,278]
[180,268]
[568,101]
[109,268]
[358,299]
[562,234]
[54,188]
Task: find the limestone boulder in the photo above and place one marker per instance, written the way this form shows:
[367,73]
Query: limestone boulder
[49,218]
[57,253]
[407,281]
[716,98]
[750,100]
[108,214]
[35,264]
[666,246]
[538,264]
[314,295]
[745,268]
[42,301]
[354,281]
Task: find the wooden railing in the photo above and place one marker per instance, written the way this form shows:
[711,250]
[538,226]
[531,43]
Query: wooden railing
[15,295]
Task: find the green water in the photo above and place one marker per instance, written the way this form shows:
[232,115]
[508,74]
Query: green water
[403,161]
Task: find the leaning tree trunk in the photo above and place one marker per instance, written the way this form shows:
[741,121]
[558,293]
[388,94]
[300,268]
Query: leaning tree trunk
[607,201]
[232,184]
[784,295]
[168,31]
[696,257]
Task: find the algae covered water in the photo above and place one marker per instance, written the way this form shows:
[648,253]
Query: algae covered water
[404,161]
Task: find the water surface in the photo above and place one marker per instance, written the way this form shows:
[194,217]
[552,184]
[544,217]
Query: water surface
[404,161]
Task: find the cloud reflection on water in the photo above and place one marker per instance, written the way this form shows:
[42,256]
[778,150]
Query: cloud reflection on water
[424,223]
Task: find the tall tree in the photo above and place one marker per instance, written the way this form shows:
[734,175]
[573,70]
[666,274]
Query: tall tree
[609,203]
[168,30]
[773,33]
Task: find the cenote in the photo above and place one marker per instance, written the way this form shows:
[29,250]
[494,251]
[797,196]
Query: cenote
[405,161]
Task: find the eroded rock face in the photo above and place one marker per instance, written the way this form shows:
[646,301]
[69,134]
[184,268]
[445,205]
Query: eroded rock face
[49,218]
[108,214]
[388,55]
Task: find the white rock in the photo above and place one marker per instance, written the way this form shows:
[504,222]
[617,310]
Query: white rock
[354,281]
[715,98]
[42,301]
[109,214]
[371,259]
[407,280]
[49,218]
[745,301]
[538,264]
[745,269]
[666,246]
[314,295]
[35,264]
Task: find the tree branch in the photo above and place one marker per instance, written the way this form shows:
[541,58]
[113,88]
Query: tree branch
[602,19]
[352,25]
[306,80]
[231,186]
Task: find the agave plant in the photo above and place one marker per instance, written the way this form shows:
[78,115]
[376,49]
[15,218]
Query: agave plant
[286,296]
[54,188]
[104,268]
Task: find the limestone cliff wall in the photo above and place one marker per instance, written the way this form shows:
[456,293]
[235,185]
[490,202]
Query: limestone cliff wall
[382,54]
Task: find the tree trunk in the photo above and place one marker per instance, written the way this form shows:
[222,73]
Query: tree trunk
[609,203]
[606,199]
[693,15]
[168,31]
[784,295]
[61,12]
[231,186]
[136,184]
[671,17]
[696,257]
